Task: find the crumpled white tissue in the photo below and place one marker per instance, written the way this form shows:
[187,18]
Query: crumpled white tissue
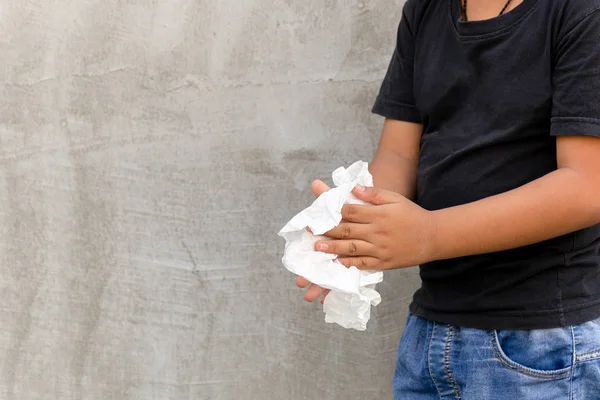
[352,291]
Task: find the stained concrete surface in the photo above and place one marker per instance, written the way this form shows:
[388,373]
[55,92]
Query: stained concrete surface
[149,152]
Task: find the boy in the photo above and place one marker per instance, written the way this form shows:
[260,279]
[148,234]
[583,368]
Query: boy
[487,175]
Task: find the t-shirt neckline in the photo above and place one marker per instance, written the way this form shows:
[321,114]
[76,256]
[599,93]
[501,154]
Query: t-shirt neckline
[489,26]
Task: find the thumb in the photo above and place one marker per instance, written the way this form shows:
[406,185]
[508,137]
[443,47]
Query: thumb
[319,187]
[375,196]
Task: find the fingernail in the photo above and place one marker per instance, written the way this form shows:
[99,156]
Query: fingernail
[360,188]
[322,247]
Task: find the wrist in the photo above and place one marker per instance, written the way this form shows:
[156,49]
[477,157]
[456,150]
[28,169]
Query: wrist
[431,242]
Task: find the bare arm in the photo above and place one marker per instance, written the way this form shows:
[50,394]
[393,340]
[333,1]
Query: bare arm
[558,203]
[394,166]
[563,201]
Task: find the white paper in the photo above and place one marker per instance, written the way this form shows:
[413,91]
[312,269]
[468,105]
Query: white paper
[352,291]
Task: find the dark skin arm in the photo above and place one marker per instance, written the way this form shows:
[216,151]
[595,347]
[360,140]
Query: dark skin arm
[394,168]
[397,233]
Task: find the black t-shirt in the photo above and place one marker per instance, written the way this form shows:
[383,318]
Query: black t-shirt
[492,97]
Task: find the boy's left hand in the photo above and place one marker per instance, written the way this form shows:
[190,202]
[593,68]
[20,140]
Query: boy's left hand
[392,233]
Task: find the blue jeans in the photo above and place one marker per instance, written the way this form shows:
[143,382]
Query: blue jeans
[441,361]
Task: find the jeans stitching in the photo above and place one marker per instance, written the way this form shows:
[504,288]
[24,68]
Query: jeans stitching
[562,373]
[429,360]
[590,355]
[447,369]
[573,363]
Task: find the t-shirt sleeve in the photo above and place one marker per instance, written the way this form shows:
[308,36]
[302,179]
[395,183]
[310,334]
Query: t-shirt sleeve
[396,98]
[576,80]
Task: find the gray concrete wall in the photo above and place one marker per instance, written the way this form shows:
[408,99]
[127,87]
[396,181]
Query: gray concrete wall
[150,150]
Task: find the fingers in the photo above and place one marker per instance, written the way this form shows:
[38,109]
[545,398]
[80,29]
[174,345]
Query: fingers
[319,187]
[362,263]
[358,213]
[353,248]
[302,282]
[376,196]
[325,293]
[349,231]
[313,293]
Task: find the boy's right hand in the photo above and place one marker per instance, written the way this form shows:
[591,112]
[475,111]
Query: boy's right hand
[314,291]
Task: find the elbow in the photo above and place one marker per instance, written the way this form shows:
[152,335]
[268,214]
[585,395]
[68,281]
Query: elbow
[595,211]
[593,189]
[593,206]
[587,187]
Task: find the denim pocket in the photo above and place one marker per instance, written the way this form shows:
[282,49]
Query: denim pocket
[540,353]
[587,337]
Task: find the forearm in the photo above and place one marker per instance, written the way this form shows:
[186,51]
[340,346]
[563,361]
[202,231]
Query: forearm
[556,204]
[394,166]
[395,173]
